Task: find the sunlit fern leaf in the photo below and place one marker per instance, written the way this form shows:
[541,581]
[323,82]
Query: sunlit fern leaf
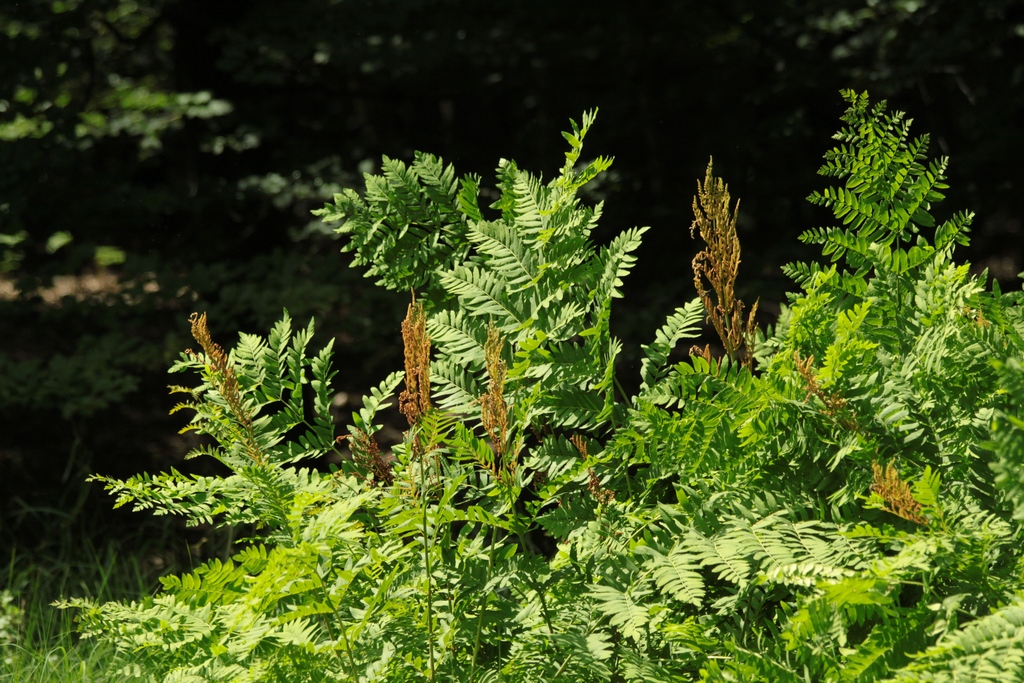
[554,359]
[531,202]
[887,195]
[569,258]
[508,255]
[1007,436]
[457,388]
[803,274]
[575,140]
[617,260]
[456,336]
[891,643]
[468,197]
[439,184]
[684,323]
[571,513]
[365,417]
[676,573]
[323,396]
[574,408]
[622,609]
[684,440]
[989,648]
[483,293]
[639,668]
[410,225]
[722,554]
[560,319]
[558,462]
[953,231]
[775,542]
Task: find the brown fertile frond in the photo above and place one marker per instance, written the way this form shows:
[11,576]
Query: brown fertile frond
[805,366]
[835,405]
[719,264]
[896,494]
[217,357]
[704,353]
[580,443]
[975,314]
[493,408]
[367,456]
[224,380]
[602,495]
[415,400]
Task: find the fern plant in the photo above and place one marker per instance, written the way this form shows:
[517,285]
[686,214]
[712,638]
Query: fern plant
[838,498]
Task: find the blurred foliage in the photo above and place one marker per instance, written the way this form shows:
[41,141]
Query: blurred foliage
[162,156]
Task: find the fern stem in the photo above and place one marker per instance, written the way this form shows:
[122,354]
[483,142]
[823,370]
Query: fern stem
[543,602]
[426,558]
[483,603]
[565,662]
[348,651]
[330,630]
[625,399]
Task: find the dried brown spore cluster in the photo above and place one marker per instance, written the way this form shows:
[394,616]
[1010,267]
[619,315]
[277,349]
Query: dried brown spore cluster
[224,380]
[835,405]
[715,269]
[414,402]
[367,456]
[493,408]
[896,493]
[602,495]
[975,314]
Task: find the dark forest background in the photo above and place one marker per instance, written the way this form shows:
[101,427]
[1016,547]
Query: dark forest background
[159,157]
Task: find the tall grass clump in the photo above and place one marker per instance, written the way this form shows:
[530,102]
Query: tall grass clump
[38,641]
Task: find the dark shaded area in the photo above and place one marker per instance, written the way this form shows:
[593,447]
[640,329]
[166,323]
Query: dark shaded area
[162,156]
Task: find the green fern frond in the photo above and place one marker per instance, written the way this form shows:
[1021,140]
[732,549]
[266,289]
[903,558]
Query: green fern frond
[683,324]
[508,254]
[622,609]
[675,573]
[723,555]
[457,336]
[1007,435]
[617,260]
[886,198]
[534,524]
[365,418]
[458,387]
[484,293]
[988,649]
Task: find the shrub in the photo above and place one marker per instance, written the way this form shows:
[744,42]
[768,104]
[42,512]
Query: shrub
[835,499]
